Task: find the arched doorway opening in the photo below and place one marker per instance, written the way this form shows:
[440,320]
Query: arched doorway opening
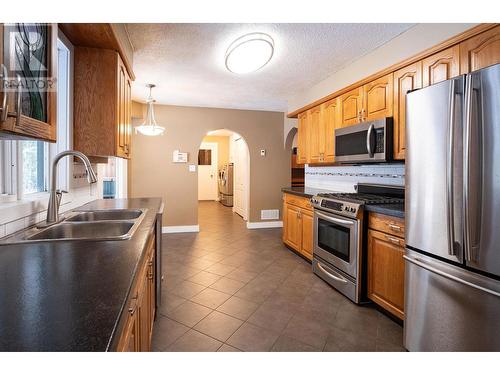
[224,173]
[297,175]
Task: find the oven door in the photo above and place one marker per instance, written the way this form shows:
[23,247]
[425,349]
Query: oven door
[336,241]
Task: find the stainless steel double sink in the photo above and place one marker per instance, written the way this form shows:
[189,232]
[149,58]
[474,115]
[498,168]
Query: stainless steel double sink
[95,225]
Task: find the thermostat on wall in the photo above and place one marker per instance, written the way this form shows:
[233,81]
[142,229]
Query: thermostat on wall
[180,157]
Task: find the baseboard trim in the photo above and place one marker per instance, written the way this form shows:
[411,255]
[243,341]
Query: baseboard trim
[264,224]
[180,229]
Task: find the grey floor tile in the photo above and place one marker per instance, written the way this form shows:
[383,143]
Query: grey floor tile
[189,313]
[309,331]
[204,278]
[228,348]
[271,316]
[194,341]
[227,285]
[242,275]
[250,338]
[165,332]
[220,269]
[186,289]
[211,298]
[341,340]
[288,344]
[169,302]
[238,307]
[218,325]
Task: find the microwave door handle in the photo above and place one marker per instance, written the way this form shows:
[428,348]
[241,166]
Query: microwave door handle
[369,140]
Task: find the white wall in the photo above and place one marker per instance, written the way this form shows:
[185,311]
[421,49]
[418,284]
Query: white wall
[405,45]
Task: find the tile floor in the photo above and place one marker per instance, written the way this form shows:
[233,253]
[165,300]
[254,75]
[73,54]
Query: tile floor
[228,288]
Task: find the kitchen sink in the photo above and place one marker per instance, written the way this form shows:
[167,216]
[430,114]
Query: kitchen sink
[103,215]
[96,225]
[83,231]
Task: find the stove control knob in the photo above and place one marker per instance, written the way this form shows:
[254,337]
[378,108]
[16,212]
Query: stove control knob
[353,209]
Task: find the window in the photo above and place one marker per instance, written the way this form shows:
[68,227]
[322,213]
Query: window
[25,164]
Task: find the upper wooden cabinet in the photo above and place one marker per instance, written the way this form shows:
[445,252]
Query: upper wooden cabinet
[350,106]
[480,51]
[377,98]
[329,113]
[316,136]
[28,102]
[102,103]
[302,138]
[441,66]
[406,79]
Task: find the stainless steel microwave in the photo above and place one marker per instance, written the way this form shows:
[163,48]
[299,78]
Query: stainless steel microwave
[368,142]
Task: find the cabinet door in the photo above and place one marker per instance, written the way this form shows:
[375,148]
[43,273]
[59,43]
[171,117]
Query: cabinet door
[316,137]
[143,313]
[481,51]
[293,228]
[405,79]
[440,66]
[307,234]
[350,107]
[128,115]
[377,98]
[28,52]
[129,340]
[386,270]
[121,126]
[151,281]
[329,115]
[302,138]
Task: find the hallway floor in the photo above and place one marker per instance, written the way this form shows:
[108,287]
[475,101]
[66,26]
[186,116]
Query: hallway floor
[228,288]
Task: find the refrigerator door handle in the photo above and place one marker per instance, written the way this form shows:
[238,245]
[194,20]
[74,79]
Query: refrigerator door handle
[472,150]
[449,174]
[421,263]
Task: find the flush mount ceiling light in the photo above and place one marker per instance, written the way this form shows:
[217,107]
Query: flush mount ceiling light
[149,126]
[249,53]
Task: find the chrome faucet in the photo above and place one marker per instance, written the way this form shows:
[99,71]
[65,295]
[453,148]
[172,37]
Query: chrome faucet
[56,195]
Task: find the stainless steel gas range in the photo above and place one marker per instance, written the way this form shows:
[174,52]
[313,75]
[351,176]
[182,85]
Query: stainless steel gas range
[339,234]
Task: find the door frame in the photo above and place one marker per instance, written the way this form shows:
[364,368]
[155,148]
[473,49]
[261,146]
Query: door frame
[215,159]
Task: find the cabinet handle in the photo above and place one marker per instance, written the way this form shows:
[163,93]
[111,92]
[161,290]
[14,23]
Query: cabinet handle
[392,239]
[363,116]
[4,109]
[395,228]
[150,275]
[133,304]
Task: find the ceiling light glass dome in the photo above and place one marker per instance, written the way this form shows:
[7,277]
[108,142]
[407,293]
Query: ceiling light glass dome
[249,53]
[149,126]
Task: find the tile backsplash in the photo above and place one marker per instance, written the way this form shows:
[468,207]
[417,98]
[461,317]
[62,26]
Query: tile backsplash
[344,178]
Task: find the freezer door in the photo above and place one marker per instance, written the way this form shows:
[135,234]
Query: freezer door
[448,308]
[482,170]
[434,169]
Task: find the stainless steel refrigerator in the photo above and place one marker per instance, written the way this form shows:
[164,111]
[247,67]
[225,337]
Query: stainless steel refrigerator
[226,185]
[452,282]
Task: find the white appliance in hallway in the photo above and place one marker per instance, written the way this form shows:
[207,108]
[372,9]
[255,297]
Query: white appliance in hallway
[241,172]
[207,172]
[226,185]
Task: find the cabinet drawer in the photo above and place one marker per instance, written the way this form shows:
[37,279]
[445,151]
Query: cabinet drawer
[301,202]
[387,224]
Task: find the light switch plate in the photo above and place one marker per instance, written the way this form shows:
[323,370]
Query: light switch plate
[192,168]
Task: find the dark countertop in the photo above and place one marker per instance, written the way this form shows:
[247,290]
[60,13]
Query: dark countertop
[69,295]
[397,210]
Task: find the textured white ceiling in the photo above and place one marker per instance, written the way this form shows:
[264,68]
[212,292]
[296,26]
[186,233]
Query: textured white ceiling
[186,61]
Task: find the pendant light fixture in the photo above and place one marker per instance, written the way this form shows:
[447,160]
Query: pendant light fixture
[149,126]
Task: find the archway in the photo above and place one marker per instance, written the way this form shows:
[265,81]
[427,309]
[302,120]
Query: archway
[224,159]
[297,175]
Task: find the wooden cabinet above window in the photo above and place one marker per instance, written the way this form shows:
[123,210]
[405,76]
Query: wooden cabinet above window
[28,70]
[102,103]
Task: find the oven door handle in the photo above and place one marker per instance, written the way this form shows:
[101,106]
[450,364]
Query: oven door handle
[334,219]
[338,278]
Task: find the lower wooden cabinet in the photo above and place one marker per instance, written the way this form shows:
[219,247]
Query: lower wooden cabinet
[137,331]
[298,225]
[386,270]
